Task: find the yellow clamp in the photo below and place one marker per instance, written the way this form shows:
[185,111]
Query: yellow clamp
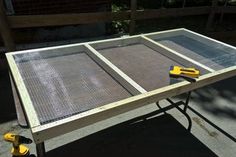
[187,73]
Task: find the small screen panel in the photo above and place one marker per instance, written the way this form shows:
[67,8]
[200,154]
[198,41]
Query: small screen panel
[63,85]
[216,56]
[147,67]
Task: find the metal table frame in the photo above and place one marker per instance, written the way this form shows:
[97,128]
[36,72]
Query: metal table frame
[142,97]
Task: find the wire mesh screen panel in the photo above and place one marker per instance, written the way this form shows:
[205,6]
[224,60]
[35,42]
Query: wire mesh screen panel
[64,85]
[215,56]
[144,65]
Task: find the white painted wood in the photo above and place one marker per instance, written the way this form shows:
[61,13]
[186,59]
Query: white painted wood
[120,76]
[92,42]
[173,54]
[53,129]
[164,34]
[24,95]
[50,130]
[204,39]
[116,43]
[177,31]
[73,45]
[50,53]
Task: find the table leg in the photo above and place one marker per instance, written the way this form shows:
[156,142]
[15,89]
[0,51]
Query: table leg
[40,149]
[158,105]
[187,101]
[184,111]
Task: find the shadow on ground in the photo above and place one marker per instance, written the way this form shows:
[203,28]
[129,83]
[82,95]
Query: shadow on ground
[161,136]
[208,98]
[7,111]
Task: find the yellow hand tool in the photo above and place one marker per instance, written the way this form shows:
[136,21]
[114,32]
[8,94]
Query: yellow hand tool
[190,74]
[17,141]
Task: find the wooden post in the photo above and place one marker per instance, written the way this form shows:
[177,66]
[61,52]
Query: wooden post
[133,9]
[211,15]
[40,149]
[184,3]
[5,30]
[162,3]
[222,11]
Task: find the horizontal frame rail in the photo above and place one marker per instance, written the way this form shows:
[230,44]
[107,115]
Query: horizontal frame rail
[47,131]
[114,71]
[27,21]
[173,54]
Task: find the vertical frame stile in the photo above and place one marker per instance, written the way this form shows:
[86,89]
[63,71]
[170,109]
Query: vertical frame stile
[24,95]
[133,9]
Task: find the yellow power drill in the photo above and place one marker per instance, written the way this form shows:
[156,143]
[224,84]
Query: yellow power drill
[17,141]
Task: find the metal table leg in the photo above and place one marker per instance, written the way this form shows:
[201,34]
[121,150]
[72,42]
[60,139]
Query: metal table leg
[187,101]
[40,149]
[158,105]
[184,111]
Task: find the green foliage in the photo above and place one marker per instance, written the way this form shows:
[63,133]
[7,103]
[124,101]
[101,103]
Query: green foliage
[123,5]
[120,26]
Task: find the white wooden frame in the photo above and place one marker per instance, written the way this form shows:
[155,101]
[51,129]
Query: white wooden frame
[142,97]
[193,35]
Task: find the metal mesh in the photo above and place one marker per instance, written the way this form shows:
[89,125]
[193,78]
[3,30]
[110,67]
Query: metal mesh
[61,86]
[147,67]
[215,56]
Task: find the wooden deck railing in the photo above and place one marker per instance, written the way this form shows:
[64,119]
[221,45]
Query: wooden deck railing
[29,21]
